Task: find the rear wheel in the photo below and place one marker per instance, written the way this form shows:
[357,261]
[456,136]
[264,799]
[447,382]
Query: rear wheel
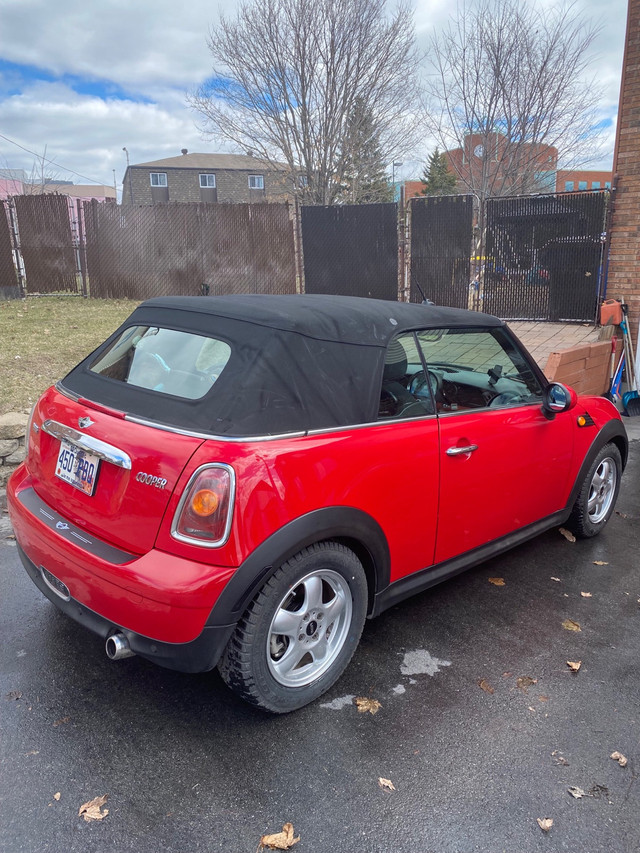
[597,497]
[300,631]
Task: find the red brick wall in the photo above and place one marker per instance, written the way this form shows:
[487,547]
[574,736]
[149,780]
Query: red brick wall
[624,258]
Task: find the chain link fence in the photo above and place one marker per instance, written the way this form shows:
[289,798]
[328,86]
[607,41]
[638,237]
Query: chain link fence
[543,256]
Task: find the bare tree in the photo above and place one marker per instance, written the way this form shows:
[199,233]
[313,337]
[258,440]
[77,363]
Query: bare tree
[510,93]
[289,75]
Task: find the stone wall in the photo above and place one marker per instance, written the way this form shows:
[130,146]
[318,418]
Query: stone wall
[13,428]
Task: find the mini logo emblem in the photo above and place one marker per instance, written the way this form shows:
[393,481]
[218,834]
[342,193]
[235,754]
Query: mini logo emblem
[83,423]
[62,525]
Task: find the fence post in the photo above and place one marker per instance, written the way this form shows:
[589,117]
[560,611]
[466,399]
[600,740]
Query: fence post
[13,225]
[404,248]
[82,247]
[296,221]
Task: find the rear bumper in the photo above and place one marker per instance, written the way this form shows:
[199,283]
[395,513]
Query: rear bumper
[200,655]
[162,603]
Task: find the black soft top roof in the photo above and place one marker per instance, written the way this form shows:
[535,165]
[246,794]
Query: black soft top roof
[343,319]
[297,363]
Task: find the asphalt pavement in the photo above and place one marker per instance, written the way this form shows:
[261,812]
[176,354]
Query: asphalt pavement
[482,727]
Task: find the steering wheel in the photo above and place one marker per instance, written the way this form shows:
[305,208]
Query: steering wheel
[423,386]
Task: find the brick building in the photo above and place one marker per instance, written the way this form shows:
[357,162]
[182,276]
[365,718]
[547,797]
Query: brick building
[488,154]
[624,256]
[576,180]
[205,177]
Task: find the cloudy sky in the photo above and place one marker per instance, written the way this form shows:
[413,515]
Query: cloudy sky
[84,79]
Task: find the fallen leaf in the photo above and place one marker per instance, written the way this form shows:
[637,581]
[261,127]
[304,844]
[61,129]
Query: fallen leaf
[525,681]
[586,594]
[56,796]
[507,674]
[574,665]
[568,535]
[33,752]
[570,625]
[619,757]
[533,710]
[557,580]
[279,840]
[14,694]
[545,823]
[386,784]
[92,810]
[562,761]
[61,721]
[483,684]
[364,704]
[600,563]
[497,581]
[622,514]
[543,698]
[576,793]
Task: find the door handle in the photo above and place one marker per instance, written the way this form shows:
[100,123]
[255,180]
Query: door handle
[459,451]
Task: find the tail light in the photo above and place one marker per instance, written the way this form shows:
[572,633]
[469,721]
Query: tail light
[205,510]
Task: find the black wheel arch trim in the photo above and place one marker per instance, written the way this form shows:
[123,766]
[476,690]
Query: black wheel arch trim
[611,431]
[353,527]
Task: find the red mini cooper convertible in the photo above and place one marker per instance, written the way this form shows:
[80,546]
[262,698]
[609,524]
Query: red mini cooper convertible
[240,481]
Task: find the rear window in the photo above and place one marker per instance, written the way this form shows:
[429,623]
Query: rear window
[181,364]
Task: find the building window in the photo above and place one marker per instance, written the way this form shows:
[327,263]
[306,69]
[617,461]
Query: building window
[303,181]
[256,182]
[582,185]
[568,186]
[595,185]
[158,179]
[607,185]
[207,180]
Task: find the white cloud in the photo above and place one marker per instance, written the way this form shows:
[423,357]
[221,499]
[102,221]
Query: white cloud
[136,60]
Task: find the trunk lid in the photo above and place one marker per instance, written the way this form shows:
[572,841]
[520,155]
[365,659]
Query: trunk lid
[127,470]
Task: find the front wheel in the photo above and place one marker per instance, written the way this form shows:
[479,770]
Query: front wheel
[597,497]
[300,631]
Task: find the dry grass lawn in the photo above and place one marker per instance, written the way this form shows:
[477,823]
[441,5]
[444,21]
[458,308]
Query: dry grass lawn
[42,338]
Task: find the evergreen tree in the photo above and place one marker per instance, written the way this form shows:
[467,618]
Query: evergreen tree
[364,179]
[437,178]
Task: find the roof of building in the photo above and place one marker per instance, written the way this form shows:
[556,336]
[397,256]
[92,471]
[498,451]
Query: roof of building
[210,161]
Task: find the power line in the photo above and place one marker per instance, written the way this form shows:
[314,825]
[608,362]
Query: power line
[51,162]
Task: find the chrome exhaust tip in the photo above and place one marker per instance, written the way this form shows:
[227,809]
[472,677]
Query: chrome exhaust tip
[117,647]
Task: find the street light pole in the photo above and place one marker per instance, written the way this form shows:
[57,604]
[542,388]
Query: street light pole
[393,176]
[130,184]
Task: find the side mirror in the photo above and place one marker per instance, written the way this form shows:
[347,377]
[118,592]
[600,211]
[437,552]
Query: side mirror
[557,398]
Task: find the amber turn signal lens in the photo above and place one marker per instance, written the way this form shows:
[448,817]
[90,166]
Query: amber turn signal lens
[582,420]
[205,502]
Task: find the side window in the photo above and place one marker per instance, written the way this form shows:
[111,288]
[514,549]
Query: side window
[405,392]
[477,369]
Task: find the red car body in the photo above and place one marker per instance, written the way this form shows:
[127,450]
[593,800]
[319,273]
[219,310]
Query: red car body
[390,491]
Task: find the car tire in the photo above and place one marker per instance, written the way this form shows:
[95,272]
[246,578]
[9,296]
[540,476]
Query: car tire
[300,631]
[598,494]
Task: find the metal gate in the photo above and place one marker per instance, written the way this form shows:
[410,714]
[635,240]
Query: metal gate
[351,250]
[544,256]
[440,240]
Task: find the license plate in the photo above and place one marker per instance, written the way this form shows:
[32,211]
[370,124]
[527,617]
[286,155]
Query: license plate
[77,467]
